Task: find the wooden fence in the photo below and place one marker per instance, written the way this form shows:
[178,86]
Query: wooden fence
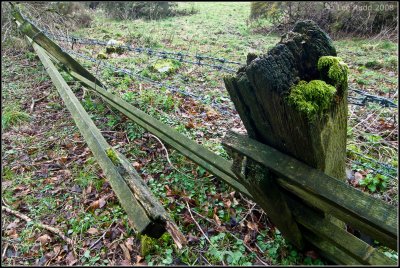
[302,194]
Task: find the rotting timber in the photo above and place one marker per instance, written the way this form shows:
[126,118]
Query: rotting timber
[294,99]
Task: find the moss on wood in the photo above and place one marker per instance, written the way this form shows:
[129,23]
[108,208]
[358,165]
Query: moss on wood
[335,69]
[312,98]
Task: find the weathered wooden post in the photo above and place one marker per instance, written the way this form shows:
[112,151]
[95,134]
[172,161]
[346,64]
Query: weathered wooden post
[294,98]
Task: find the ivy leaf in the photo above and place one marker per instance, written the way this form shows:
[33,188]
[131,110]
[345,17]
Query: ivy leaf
[372,187]
[86,254]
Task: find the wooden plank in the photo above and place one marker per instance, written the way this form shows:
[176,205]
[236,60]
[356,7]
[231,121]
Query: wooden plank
[98,145]
[314,201]
[36,35]
[377,218]
[323,229]
[330,251]
[215,164]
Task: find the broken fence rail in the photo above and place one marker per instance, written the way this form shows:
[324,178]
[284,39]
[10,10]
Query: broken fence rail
[144,211]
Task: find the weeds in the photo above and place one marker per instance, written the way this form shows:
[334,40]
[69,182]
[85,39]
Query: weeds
[13,116]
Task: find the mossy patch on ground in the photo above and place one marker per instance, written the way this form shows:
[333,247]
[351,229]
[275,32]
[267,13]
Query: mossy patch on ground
[114,46]
[102,56]
[166,66]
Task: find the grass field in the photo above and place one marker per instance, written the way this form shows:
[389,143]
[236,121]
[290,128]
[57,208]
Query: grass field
[49,174]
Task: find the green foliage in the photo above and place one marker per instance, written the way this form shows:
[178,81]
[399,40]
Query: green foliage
[135,10]
[102,56]
[356,18]
[113,120]
[134,131]
[88,259]
[12,116]
[7,173]
[374,182]
[84,178]
[219,253]
[81,224]
[391,62]
[337,69]
[312,98]
[374,64]
[91,105]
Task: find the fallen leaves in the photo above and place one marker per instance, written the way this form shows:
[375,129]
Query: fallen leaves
[216,218]
[96,204]
[252,226]
[356,180]
[70,259]
[44,239]
[126,253]
[92,231]
[100,203]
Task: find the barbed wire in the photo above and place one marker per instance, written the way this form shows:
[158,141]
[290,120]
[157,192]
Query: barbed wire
[222,109]
[366,97]
[376,171]
[179,56]
[388,166]
[360,101]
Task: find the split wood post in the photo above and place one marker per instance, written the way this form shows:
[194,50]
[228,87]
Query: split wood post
[295,100]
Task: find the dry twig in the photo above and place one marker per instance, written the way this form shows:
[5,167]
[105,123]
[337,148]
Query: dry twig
[41,225]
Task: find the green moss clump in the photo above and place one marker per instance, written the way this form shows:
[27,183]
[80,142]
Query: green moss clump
[147,245]
[114,46]
[112,155]
[115,49]
[337,69]
[102,56]
[311,98]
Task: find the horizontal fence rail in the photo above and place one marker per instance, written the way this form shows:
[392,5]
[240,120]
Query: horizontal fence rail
[373,216]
